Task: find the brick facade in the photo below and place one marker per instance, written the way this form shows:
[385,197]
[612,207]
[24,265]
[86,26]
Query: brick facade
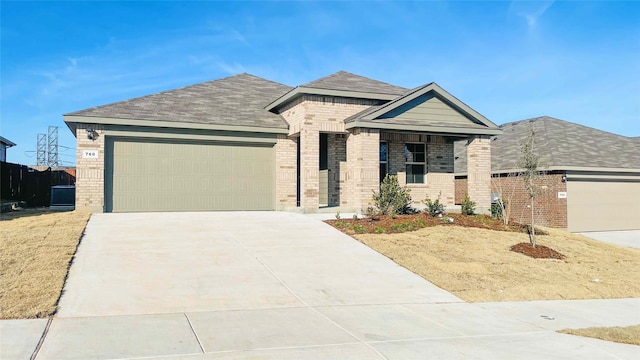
[479,172]
[90,172]
[550,210]
[353,160]
[439,177]
[307,117]
[361,176]
[286,172]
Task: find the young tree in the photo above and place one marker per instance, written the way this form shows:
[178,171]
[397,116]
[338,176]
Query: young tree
[505,186]
[529,163]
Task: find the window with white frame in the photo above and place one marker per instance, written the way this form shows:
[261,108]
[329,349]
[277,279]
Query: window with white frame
[384,160]
[415,162]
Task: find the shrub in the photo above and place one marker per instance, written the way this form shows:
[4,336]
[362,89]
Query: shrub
[338,215]
[496,209]
[379,230]
[392,198]
[359,229]
[434,207]
[468,206]
[372,213]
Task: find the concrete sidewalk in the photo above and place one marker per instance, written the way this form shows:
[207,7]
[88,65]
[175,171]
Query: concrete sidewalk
[522,330]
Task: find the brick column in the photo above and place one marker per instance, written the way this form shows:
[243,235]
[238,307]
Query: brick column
[90,172]
[479,172]
[363,161]
[309,169]
[286,152]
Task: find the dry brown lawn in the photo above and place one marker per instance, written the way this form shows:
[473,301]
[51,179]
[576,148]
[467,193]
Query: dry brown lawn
[477,265]
[37,246]
[625,335]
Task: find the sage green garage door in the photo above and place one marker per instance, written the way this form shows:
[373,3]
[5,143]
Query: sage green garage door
[168,175]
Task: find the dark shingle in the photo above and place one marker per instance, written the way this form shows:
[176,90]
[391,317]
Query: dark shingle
[346,81]
[560,144]
[235,100]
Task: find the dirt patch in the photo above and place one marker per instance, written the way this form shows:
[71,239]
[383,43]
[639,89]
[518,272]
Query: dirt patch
[538,252]
[403,223]
[477,264]
[625,335]
[37,246]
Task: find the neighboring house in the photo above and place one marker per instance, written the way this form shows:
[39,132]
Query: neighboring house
[591,181]
[4,145]
[246,143]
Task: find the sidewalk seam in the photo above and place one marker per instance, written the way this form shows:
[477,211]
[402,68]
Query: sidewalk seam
[41,341]
[194,333]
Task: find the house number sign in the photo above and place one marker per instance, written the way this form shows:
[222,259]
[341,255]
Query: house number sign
[90,154]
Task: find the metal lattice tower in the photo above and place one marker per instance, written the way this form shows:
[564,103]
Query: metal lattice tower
[53,146]
[42,150]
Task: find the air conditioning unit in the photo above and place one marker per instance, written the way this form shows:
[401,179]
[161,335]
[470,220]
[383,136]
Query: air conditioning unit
[63,197]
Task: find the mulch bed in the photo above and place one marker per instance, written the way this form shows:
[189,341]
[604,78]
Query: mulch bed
[538,252]
[403,223]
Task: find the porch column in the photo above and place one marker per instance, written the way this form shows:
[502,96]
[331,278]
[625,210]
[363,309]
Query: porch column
[479,172]
[309,169]
[363,161]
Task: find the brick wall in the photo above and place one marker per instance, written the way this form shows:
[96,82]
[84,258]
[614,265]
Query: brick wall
[439,177]
[549,209]
[337,157]
[90,172]
[479,172]
[286,172]
[361,175]
[307,117]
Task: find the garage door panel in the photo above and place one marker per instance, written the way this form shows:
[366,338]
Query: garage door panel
[157,175]
[603,206]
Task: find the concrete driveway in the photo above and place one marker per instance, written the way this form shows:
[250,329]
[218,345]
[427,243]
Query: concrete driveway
[254,285]
[152,263]
[627,238]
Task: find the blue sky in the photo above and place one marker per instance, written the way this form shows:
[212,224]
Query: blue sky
[577,61]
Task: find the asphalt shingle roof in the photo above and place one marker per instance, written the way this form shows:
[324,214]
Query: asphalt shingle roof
[560,144]
[347,81]
[236,100]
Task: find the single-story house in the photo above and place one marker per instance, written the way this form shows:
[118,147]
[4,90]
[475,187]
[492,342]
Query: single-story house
[4,145]
[591,178]
[247,143]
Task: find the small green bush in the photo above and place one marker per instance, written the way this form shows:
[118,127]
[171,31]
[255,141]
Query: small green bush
[496,209]
[379,230]
[434,207]
[392,198]
[468,207]
[359,229]
[420,223]
[402,227]
[341,224]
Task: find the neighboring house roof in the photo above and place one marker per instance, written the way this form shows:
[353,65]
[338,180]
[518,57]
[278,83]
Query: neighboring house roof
[347,81]
[233,101]
[427,108]
[343,84]
[561,145]
[6,142]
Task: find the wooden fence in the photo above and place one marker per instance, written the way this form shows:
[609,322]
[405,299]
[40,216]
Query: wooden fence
[23,183]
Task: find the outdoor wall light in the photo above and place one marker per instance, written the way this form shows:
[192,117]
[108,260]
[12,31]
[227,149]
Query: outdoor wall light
[564,178]
[91,134]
